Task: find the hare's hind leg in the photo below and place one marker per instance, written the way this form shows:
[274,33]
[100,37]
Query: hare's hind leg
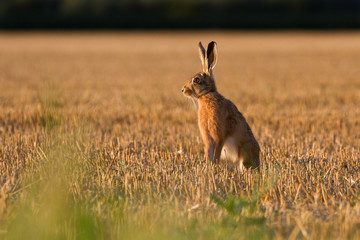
[249,156]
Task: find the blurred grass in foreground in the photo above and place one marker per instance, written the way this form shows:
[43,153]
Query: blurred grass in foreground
[48,206]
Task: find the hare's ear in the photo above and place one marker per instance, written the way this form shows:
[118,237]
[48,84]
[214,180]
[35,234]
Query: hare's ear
[211,55]
[203,57]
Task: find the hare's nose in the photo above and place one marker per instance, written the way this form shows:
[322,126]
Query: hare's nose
[182,90]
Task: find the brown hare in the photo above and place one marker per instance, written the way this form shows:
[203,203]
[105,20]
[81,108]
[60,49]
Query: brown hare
[224,130]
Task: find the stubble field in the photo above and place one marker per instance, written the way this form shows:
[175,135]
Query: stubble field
[98,142]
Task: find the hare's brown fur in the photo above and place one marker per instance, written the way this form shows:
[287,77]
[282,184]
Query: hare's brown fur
[223,128]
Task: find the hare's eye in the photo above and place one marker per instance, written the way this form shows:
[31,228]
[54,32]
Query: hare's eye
[196,80]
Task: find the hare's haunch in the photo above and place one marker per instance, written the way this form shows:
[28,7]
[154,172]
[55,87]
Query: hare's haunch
[223,128]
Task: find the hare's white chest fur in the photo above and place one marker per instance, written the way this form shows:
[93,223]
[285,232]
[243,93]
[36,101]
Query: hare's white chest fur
[230,153]
[230,150]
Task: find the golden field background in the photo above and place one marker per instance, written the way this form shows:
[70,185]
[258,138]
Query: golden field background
[97,141]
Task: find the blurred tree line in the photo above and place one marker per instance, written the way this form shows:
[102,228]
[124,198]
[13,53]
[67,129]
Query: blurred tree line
[126,14]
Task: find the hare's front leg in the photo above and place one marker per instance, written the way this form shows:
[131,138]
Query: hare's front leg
[209,151]
[209,143]
[217,153]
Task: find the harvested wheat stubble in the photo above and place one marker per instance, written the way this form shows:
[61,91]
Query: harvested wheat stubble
[105,111]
